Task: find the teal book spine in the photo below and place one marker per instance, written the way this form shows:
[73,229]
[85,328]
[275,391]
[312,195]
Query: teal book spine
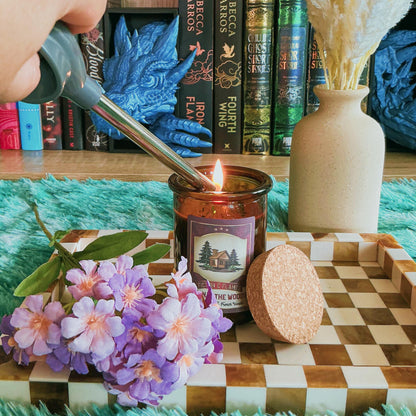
[290,78]
[30,126]
[258,76]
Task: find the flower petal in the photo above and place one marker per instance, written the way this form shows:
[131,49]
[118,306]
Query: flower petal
[24,337]
[82,343]
[102,345]
[191,307]
[124,262]
[54,311]
[106,270]
[40,347]
[72,326]
[83,307]
[34,303]
[125,375]
[89,266]
[75,276]
[20,318]
[54,334]
[105,307]
[115,326]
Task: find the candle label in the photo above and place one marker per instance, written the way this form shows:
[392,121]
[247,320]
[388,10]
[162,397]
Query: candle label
[221,251]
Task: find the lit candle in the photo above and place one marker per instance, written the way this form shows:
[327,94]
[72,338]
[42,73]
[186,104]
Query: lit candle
[221,232]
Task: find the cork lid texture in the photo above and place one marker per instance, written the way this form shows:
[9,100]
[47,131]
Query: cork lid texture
[284,295]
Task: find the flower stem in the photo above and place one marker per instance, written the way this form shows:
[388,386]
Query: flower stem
[66,255]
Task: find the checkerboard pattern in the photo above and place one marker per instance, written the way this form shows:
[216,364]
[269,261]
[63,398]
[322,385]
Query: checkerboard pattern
[363,355]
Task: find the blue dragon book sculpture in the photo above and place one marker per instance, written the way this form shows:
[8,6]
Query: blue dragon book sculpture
[142,78]
[393,101]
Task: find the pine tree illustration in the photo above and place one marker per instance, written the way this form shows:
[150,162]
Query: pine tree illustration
[234,259]
[205,254]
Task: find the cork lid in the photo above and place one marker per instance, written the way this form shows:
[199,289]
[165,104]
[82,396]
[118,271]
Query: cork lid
[284,295]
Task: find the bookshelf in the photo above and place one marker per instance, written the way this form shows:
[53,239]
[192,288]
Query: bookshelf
[81,165]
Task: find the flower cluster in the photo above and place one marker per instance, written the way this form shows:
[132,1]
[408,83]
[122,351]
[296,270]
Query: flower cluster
[144,349]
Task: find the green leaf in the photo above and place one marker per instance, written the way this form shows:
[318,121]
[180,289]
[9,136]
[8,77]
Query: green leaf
[109,246]
[40,279]
[60,234]
[152,253]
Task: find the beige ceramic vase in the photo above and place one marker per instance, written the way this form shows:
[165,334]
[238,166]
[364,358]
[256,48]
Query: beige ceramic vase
[336,166]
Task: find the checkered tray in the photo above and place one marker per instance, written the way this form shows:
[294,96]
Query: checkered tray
[363,355]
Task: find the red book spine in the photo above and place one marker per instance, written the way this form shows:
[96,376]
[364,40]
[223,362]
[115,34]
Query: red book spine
[9,126]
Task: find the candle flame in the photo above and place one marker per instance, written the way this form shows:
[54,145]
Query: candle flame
[218,176]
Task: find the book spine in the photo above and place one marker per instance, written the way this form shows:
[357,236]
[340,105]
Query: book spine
[257,66]
[51,125]
[92,48]
[316,75]
[228,55]
[72,130]
[290,78]
[195,94]
[9,126]
[30,126]
[142,3]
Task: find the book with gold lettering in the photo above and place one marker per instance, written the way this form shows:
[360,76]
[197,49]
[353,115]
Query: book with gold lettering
[228,54]
[195,94]
[258,70]
[290,78]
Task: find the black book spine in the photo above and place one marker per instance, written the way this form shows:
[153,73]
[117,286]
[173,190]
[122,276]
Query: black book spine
[228,55]
[51,125]
[72,126]
[195,94]
[92,48]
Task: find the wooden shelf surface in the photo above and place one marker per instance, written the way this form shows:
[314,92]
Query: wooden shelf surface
[81,165]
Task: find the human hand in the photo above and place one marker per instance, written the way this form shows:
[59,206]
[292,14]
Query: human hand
[24,26]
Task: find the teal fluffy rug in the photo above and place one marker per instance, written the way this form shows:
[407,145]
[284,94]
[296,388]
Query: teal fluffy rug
[8,408]
[94,204]
[102,204]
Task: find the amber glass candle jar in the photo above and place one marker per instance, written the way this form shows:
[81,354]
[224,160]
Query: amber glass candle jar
[220,233]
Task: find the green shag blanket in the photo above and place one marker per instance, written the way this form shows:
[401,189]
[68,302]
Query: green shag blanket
[102,204]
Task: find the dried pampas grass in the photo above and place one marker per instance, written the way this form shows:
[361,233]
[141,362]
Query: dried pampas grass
[348,32]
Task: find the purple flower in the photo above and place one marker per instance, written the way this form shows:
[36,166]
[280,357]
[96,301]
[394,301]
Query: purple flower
[132,289]
[37,328]
[150,374]
[138,337]
[185,330]
[62,356]
[182,282]
[107,269]
[189,364]
[93,327]
[9,344]
[214,313]
[83,279]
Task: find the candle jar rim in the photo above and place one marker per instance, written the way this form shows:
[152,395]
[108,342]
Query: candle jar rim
[263,184]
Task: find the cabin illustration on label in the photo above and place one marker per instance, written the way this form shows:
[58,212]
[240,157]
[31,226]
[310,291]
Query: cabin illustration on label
[218,260]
